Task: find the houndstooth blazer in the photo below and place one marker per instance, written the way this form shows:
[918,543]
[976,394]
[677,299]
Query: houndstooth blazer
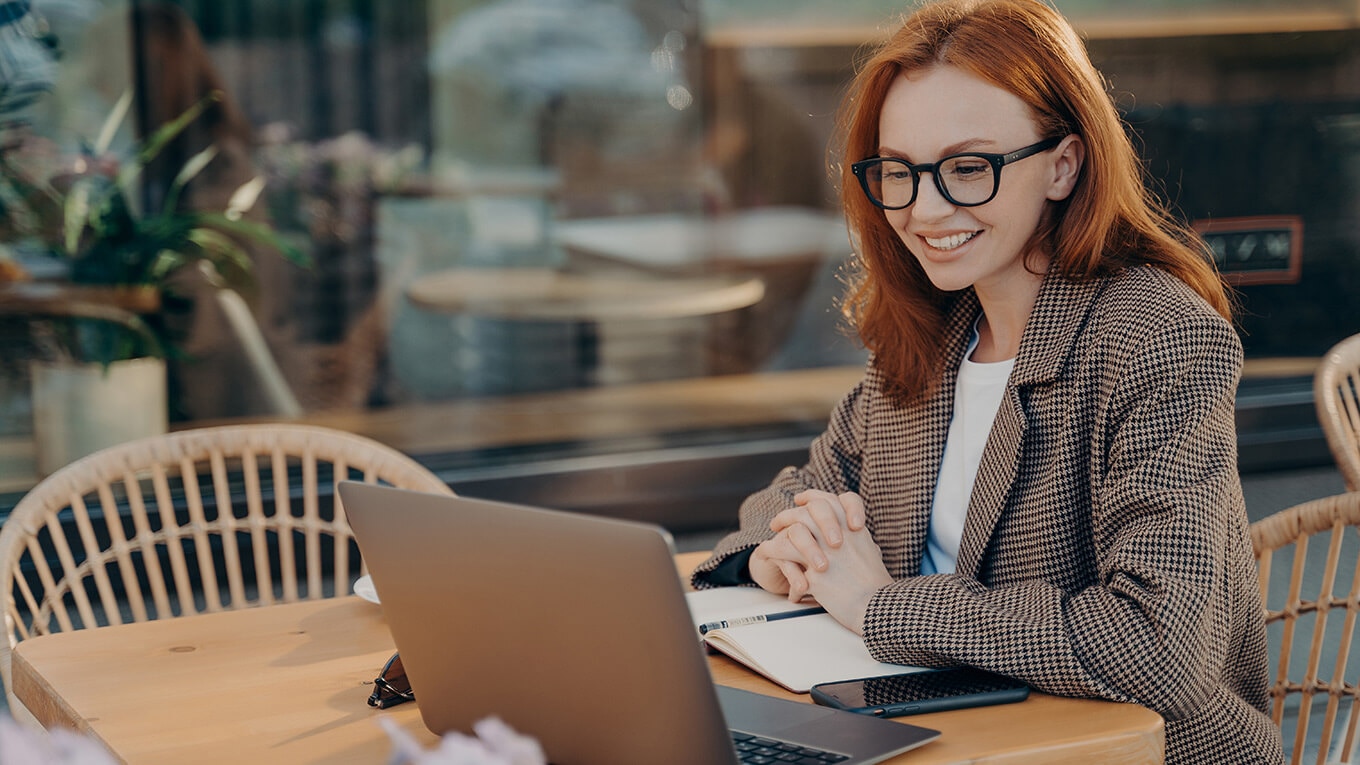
[1105,551]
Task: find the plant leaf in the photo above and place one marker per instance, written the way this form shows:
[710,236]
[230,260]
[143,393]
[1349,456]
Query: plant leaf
[76,215]
[166,262]
[112,122]
[163,135]
[167,132]
[244,198]
[256,232]
[233,264]
[187,173]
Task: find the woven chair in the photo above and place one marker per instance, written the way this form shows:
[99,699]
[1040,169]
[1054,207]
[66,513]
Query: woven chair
[204,520]
[1336,394]
[1320,600]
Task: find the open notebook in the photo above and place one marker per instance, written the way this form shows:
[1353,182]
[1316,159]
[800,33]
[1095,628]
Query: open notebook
[797,652]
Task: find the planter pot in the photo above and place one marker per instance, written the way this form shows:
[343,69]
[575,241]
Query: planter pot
[79,409]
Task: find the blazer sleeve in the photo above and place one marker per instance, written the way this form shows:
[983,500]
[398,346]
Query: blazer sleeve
[1168,526]
[834,463]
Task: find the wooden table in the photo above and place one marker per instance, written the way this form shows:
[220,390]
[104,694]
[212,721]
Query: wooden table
[289,684]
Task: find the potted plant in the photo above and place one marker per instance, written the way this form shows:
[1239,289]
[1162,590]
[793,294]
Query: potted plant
[122,259]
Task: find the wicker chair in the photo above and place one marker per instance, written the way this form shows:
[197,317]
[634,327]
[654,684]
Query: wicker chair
[1336,394]
[1318,667]
[204,520]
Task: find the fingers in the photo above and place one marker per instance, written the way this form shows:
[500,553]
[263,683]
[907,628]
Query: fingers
[806,536]
[809,550]
[774,572]
[855,515]
[828,515]
[766,572]
[797,544]
[797,579]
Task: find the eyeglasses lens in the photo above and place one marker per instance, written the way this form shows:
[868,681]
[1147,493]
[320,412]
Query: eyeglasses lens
[391,687]
[968,180]
[965,180]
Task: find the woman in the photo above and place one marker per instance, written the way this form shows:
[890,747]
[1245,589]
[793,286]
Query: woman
[1037,474]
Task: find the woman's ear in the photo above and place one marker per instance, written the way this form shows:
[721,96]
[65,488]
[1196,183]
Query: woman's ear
[1068,158]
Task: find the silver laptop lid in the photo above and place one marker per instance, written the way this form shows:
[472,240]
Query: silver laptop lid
[570,628]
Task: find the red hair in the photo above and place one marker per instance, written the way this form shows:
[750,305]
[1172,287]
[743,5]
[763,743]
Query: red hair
[1109,222]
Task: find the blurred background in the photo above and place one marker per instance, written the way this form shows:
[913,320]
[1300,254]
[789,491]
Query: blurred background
[491,229]
[577,253]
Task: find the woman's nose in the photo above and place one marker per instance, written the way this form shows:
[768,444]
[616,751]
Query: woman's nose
[930,204]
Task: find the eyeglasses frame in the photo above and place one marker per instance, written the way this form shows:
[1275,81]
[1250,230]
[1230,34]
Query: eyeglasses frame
[997,161]
[382,684]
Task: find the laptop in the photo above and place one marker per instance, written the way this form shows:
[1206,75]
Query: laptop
[573,629]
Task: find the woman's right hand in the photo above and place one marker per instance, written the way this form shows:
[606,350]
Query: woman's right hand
[774,570]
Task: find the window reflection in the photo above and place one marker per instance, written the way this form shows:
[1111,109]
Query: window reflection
[620,144]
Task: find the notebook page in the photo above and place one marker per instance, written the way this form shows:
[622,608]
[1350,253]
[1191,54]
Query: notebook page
[801,652]
[735,602]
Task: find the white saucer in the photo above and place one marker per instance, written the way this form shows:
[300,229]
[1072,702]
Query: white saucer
[363,587]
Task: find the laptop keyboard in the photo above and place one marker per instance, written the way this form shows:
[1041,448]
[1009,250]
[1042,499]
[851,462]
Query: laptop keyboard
[757,750]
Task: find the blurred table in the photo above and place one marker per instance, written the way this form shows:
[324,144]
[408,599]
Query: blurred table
[289,683]
[537,328]
[544,294]
[791,249]
[753,240]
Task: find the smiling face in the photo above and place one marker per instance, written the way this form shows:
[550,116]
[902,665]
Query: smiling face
[944,110]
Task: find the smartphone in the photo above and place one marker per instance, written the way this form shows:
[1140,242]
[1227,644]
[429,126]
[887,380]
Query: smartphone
[934,690]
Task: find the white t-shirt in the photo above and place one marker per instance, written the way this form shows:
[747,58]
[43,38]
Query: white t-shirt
[977,396]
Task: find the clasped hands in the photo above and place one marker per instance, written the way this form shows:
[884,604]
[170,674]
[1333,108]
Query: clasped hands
[822,548]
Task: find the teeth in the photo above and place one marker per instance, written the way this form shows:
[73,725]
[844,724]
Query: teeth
[950,242]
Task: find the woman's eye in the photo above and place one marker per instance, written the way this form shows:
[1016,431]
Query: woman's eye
[969,170]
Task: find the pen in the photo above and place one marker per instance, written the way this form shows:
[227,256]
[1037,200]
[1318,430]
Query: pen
[704,628]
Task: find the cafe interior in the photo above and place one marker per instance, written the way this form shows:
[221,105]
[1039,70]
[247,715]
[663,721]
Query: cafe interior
[577,254]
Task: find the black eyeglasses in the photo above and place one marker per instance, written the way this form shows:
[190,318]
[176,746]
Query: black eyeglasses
[391,687]
[966,180]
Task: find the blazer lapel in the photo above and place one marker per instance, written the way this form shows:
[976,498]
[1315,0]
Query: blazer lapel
[1059,311]
[905,476]
[996,473]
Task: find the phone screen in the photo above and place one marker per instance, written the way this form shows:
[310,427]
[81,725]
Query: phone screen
[877,692]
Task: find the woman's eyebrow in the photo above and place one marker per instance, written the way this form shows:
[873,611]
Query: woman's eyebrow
[969,144]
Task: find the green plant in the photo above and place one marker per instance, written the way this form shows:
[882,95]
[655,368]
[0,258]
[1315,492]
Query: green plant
[111,244]
[85,210]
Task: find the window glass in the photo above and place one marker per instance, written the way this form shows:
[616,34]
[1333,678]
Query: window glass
[482,216]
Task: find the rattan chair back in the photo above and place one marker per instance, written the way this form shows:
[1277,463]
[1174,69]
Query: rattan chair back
[197,521]
[1315,598]
[1336,394]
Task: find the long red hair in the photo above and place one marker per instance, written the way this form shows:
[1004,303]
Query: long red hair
[1109,222]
